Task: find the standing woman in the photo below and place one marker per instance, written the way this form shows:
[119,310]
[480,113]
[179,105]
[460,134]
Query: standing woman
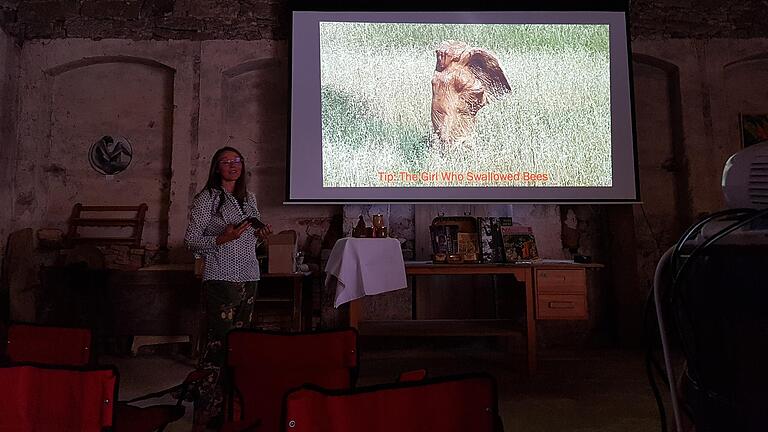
[219,231]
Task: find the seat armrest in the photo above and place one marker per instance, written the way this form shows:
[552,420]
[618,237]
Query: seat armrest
[412,375]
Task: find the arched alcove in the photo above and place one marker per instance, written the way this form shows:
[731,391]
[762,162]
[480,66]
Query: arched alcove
[663,171]
[254,113]
[95,97]
[662,159]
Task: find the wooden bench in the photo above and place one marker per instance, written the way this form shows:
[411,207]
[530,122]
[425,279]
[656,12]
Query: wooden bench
[136,221]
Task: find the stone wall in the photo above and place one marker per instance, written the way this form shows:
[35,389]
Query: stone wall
[265,19]
[202,74]
[9,74]
[689,95]
[143,20]
[697,19]
[176,102]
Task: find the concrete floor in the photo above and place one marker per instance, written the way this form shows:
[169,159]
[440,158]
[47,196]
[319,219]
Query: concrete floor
[579,390]
[575,391]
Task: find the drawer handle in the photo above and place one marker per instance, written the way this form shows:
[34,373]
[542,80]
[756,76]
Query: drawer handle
[561,305]
[561,277]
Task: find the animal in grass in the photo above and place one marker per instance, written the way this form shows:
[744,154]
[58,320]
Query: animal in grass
[465,80]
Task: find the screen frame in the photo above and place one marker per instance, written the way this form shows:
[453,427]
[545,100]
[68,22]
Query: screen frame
[453,6]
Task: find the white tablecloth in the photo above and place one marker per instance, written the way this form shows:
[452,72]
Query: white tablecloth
[365,266]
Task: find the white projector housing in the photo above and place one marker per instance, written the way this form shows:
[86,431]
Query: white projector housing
[745,178]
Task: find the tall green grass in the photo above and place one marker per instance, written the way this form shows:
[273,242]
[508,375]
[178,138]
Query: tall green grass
[376,99]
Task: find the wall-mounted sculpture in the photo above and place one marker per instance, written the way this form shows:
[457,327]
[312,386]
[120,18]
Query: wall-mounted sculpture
[111,154]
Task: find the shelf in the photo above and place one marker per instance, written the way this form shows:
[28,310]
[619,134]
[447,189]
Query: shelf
[119,222]
[273,300]
[444,327]
[104,240]
[286,275]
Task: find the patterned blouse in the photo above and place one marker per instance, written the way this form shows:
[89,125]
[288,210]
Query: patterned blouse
[234,261]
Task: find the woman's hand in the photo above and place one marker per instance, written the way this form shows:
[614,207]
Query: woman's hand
[232,232]
[264,232]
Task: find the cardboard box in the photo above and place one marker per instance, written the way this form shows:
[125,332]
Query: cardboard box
[282,252]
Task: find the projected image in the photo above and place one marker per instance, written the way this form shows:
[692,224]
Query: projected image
[458,105]
[465,79]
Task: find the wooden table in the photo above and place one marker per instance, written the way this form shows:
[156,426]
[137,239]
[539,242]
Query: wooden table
[301,300]
[524,273]
[158,304]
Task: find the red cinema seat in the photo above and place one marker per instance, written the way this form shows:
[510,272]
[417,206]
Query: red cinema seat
[449,404]
[59,347]
[3,342]
[40,398]
[263,366]
[27,343]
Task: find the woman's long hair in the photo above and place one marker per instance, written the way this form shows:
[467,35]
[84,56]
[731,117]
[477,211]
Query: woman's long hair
[214,177]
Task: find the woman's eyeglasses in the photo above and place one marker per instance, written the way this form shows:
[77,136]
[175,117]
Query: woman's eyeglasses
[230,162]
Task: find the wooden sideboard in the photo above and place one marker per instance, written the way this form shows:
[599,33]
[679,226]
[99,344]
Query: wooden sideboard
[153,303]
[121,303]
[552,289]
[561,293]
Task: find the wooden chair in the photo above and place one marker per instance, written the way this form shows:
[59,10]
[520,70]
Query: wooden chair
[448,404]
[79,220]
[68,350]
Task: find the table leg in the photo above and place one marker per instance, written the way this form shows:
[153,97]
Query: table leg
[414,298]
[296,318]
[355,307]
[495,296]
[307,303]
[530,322]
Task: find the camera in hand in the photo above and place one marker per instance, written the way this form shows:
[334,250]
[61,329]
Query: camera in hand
[256,223]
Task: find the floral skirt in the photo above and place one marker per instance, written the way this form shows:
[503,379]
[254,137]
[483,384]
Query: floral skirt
[227,305]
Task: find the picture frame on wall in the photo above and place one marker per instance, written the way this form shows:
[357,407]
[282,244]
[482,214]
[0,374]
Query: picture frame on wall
[753,128]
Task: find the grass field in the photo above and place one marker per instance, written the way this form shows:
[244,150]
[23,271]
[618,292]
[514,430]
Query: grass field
[376,99]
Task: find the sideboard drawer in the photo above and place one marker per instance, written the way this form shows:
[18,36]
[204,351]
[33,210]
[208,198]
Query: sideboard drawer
[562,281]
[561,306]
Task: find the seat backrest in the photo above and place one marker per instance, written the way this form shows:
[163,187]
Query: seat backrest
[3,342]
[41,398]
[448,404]
[263,366]
[49,345]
